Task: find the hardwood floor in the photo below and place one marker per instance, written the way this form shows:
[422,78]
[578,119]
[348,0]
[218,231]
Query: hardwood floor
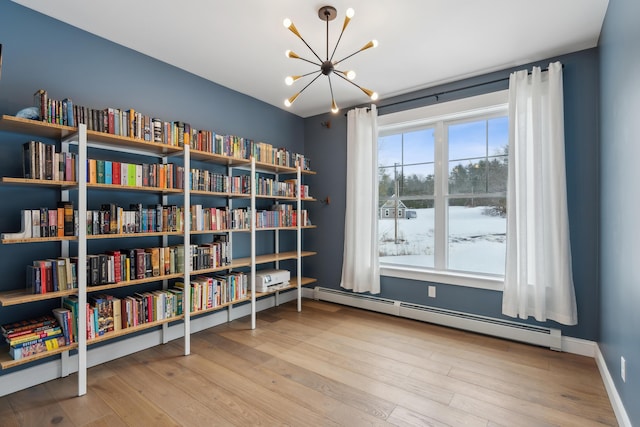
[327,366]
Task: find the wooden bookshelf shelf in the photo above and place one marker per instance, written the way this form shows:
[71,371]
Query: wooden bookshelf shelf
[38,182]
[110,141]
[38,240]
[263,259]
[113,187]
[99,288]
[127,331]
[7,362]
[21,296]
[218,158]
[293,284]
[221,306]
[35,127]
[130,235]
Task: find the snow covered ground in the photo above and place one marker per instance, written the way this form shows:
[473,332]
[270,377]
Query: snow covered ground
[477,241]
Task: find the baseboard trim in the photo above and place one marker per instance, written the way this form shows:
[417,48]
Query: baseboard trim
[612,391]
[579,346]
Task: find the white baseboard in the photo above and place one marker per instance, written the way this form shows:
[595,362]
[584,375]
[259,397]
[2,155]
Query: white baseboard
[579,346]
[43,372]
[612,391]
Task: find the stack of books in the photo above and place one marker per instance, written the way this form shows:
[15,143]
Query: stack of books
[31,337]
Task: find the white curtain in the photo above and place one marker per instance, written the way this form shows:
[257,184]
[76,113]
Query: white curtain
[360,259]
[538,279]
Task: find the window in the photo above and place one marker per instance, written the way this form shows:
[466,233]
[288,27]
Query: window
[442,192]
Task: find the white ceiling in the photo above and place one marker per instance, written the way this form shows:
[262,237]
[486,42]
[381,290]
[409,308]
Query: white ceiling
[240,44]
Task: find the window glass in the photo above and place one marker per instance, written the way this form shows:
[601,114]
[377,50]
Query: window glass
[445,214]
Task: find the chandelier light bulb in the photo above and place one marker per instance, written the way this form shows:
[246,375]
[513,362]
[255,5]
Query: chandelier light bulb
[289,80]
[350,13]
[288,102]
[334,106]
[287,23]
[351,74]
[374,96]
[291,54]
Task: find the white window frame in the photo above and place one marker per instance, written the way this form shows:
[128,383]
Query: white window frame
[436,115]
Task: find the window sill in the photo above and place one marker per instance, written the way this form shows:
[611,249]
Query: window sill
[449,278]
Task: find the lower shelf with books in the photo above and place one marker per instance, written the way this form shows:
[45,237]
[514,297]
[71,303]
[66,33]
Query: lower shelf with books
[133,329]
[6,361]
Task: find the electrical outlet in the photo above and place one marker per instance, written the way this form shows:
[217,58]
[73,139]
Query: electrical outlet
[623,369]
[432,291]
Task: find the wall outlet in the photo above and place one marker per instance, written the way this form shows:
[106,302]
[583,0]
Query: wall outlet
[432,291]
[623,369]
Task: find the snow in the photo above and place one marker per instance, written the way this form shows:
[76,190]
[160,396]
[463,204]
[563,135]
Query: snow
[477,241]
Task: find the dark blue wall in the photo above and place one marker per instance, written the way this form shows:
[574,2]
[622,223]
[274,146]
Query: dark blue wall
[327,148]
[41,52]
[620,175]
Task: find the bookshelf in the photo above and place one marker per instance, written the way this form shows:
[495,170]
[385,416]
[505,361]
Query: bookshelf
[81,190]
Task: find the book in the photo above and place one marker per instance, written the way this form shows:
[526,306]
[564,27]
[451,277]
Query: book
[27,325]
[37,347]
[68,221]
[19,341]
[62,316]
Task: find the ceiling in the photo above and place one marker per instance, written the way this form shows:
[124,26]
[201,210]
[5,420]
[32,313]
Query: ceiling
[422,43]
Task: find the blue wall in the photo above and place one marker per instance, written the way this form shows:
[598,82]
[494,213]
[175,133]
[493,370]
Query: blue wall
[619,230]
[41,52]
[327,149]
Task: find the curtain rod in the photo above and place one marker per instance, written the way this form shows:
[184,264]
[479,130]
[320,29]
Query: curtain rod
[446,92]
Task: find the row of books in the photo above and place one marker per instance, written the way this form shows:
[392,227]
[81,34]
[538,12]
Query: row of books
[271,187]
[114,219]
[210,255]
[123,265]
[42,161]
[204,180]
[214,219]
[281,216]
[133,124]
[46,222]
[34,336]
[135,175]
[209,292]
[52,275]
[106,313]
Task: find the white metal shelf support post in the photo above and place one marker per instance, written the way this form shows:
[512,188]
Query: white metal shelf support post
[82,259]
[253,243]
[299,236]
[65,360]
[186,295]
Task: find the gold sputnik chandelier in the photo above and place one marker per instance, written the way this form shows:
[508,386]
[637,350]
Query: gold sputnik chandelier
[328,65]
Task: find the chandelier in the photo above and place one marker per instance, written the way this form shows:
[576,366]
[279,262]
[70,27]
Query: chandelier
[328,65]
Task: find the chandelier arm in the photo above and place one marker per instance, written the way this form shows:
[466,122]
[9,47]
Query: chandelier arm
[310,48]
[307,60]
[330,87]
[308,84]
[307,74]
[347,80]
[347,57]
[336,46]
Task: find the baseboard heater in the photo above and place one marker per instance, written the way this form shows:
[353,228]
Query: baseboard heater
[544,337]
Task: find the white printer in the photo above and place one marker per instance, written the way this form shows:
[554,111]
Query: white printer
[271,280]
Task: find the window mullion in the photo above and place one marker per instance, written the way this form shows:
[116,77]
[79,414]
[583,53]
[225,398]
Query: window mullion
[441,191]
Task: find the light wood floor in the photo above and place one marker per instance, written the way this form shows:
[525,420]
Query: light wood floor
[329,365]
